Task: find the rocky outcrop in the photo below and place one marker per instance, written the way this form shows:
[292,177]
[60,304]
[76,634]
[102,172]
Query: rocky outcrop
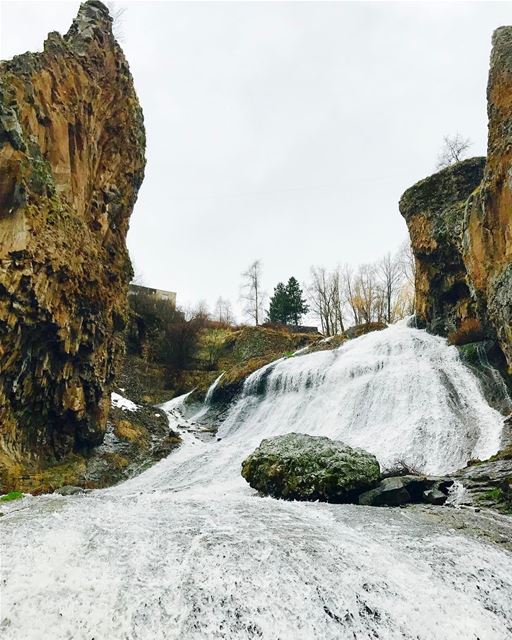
[71,162]
[488,484]
[434,212]
[460,225]
[296,466]
[137,435]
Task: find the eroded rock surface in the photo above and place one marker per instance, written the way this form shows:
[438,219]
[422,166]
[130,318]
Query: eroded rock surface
[434,211]
[488,224]
[71,162]
[460,223]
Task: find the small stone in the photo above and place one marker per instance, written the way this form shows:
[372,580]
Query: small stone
[390,492]
[434,496]
[69,490]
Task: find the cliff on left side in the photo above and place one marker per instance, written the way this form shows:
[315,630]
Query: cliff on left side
[72,146]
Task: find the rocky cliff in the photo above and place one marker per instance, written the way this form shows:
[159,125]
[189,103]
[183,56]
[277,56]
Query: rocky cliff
[460,223]
[488,222]
[434,212]
[71,162]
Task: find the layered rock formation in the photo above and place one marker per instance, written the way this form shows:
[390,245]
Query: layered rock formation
[488,223]
[434,212]
[71,162]
[460,222]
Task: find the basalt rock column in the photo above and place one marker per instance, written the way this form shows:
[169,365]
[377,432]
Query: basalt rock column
[488,225]
[460,223]
[71,162]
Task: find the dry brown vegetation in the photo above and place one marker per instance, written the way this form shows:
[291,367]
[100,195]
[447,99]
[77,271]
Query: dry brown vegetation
[470,330]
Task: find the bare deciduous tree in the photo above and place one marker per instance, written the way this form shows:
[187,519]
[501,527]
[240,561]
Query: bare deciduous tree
[326,299]
[408,268]
[390,276]
[368,296]
[199,312]
[138,275]
[223,312]
[350,292]
[453,150]
[382,291]
[251,292]
[117,15]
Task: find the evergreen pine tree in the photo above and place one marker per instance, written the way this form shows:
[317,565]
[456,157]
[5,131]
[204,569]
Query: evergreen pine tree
[287,305]
[277,311]
[296,305]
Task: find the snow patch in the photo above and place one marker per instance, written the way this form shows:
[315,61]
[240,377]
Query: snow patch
[123,403]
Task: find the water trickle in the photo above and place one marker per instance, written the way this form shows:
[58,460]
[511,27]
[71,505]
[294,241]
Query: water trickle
[207,399]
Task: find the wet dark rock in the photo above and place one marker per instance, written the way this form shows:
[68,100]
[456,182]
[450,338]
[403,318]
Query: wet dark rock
[488,483]
[396,491]
[70,490]
[434,496]
[487,362]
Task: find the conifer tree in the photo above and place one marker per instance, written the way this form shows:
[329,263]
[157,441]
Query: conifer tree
[277,311]
[296,304]
[287,305]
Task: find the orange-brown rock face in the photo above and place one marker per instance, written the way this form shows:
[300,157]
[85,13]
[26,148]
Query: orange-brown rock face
[71,162]
[460,223]
[434,212]
[488,225]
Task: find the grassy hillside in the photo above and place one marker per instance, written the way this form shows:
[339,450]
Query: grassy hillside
[235,351]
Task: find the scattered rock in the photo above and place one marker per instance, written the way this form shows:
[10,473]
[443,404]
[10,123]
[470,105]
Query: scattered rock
[301,467]
[362,329]
[396,491]
[434,496]
[70,490]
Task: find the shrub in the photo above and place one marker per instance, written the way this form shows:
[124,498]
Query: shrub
[170,338]
[13,495]
[400,468]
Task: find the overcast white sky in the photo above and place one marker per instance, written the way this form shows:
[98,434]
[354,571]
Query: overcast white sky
[284,131]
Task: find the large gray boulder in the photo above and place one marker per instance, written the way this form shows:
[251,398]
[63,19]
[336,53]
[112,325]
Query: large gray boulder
[296,466]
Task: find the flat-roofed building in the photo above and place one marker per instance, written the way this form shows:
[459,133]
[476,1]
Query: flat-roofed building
[159,294]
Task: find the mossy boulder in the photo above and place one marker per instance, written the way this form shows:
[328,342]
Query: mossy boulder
[296,466]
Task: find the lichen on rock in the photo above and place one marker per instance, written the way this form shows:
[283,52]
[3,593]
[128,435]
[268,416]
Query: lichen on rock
[297,466]
[72,160]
